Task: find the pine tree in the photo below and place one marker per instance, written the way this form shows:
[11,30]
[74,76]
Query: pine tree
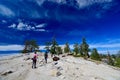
[30,45]
[59,50]
[54,46]
[76,48]
[84,48]
[66,48]
[95,55]
[110,60]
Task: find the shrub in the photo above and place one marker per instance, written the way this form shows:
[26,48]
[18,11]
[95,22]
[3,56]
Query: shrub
[95,55]
[117,62]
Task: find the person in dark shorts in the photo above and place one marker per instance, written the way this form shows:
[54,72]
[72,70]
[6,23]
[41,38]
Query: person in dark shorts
[46,56]
[34,60]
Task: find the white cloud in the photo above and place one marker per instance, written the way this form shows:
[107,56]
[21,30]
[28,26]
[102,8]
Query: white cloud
[106,51]
[84,3]
[113,40]
[113,45]
[24,26]
[6,11]
[28,28]
[41,25]
[12,26]
[42,47]
[20,47]
[11,47]
[41,30]
[21,26]
[4,21]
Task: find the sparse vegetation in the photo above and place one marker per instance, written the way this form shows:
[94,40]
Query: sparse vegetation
[84,47]
[67,48]
[76,48]
[78,51]
[110,60]
[59,50]
[117,62]
[95,55]
[30,45]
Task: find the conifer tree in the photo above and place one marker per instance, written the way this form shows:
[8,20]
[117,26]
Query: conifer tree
[66,48]
[110,60]
[59,50]
[30,45]
[76,48]
[95,55]
[54,46]
[84,48]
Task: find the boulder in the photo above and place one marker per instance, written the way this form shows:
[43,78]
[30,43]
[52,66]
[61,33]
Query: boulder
[7,72]
[56,58]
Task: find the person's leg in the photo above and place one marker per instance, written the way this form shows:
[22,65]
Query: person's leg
[35,64]
[46,60]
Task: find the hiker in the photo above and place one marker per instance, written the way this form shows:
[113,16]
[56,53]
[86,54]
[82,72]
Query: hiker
[46,56]
[34,60]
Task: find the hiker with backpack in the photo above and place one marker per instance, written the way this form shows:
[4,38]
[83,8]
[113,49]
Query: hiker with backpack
[46,56]
[35,56]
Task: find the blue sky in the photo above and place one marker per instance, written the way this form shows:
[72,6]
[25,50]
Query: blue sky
[68,20]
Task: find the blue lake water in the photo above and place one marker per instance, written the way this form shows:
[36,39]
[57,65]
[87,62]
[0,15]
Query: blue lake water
[7,53]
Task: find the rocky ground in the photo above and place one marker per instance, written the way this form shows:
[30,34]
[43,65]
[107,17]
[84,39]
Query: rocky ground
[67,68]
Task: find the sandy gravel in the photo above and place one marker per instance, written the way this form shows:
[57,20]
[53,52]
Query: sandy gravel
[67,68]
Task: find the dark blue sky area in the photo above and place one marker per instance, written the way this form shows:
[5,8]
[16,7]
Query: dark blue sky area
[67,20]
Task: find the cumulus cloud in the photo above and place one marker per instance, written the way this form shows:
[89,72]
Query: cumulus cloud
[25,27]
[21,26]
[41,25]
[5,11]
[11,47]
[12,26]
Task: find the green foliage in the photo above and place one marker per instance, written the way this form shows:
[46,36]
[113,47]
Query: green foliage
[113,56]
[76,48]
[117,62]
[66,48]
[59,50]
[24,51]
[103,55]
[84,48]
[54,46]
[95,55]
[110,60]
[30,45]
[118,54]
